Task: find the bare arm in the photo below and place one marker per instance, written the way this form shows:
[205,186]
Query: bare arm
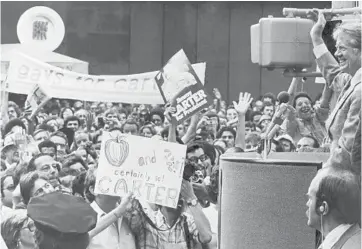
[241,108]
[191,131]
[112,216]
[293,88]
[173,124]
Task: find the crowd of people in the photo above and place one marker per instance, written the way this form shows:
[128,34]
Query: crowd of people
[49,161]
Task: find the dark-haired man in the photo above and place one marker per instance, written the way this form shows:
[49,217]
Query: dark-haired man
[196,153]
[48,147]
[61,142]
[130,127]
[227,134]
[46,166]
[73,123]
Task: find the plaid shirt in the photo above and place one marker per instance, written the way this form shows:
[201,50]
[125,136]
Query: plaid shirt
[161,235]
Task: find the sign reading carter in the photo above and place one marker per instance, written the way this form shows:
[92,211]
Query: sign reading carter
[153,173]
[181,87]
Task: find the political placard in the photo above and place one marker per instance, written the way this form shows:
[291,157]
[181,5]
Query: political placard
[181,87]
[153,171]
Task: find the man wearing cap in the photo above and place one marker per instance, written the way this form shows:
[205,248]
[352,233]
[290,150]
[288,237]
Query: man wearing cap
[286,142]
[11,153]
[61,221]
[264,122]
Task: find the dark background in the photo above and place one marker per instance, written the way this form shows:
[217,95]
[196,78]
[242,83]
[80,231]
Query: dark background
[135,37]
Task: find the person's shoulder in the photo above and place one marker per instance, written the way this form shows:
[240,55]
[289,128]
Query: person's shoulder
[354,242]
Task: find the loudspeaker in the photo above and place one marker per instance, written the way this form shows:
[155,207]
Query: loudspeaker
[263,202]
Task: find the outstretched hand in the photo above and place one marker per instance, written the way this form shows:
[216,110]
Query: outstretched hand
[244,103]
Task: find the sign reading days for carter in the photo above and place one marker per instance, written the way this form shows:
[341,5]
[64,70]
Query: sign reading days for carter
[151,169]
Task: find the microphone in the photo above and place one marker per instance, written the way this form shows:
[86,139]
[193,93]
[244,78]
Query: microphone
[273,131]
[283,97]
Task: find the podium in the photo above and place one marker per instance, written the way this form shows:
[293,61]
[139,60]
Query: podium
[263,202]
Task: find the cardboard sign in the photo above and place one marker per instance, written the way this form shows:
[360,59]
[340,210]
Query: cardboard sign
[151,169]
[180,86]
[25,72]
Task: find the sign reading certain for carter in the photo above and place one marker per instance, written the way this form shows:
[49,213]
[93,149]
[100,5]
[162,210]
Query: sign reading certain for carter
[152,169]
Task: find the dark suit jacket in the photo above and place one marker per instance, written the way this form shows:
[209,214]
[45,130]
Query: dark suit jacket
[351,239]
[342,124]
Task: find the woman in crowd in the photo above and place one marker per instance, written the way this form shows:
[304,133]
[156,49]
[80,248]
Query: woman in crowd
[18,230]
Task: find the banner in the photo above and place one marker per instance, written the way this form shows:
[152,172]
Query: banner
[36,99]
[180,86]
[153,173]
[24,72]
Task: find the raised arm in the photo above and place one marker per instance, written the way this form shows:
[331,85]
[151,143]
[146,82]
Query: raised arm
[328,65]
[108,219]
[322,111]
[241,108]
[191,131]
[173,123]
[293,88]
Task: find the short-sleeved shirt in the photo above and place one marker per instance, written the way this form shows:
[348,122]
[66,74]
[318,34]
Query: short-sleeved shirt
[160,235]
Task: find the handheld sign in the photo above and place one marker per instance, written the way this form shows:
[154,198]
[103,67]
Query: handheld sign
[36,99]
[180,86]
[151,169]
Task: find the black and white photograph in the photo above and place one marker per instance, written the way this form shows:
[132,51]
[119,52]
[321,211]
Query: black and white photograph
[180,124]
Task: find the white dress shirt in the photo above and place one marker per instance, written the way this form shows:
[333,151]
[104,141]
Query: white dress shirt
[211,214]
[333,236]
[116,236]
[320,50]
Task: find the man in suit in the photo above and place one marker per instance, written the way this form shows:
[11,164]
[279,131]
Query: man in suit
[334,208]
[343,121]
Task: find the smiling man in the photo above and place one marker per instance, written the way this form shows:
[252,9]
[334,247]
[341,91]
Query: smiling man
[343,121]
[302,120]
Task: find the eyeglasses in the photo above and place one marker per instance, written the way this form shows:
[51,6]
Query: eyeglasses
[227,137]
[30,226]
[42,190]
[195,159]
